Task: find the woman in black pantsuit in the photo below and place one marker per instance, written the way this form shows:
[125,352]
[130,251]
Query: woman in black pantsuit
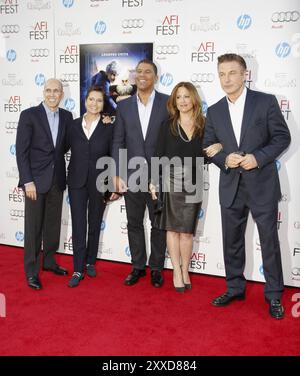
[181,137]
[89,138]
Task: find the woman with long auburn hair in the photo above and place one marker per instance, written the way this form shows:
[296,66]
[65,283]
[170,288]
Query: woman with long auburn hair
[180,140]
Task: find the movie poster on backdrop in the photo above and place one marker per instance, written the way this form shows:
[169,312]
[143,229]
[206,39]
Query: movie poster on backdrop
[111,66]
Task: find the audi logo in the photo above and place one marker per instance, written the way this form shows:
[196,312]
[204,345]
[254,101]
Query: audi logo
[11,125]
[296,271]
[290,16]
[133,23]
[39,52]
[69,77]
[202,77]
[6,29]
[17,213]
[167,49]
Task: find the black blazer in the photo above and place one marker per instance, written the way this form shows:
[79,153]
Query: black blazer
[85,153]
[264,134]
[37,158]
[128,131]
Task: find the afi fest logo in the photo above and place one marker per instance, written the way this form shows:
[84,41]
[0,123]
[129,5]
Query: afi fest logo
[70,55]
[205,53]
[9,6]
[132,3]
[285,108]
[170,26]
[14,104]
[40,31]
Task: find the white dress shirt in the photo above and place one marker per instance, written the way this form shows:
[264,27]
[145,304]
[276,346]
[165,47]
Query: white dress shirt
[236,111]
[89,132]
[145,112]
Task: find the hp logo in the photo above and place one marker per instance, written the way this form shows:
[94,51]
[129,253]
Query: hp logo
[166,79]
[12,149]
[261,270]
[244,21]
[11,55]
[19,236]
[69,104]
[68,3]
[278,165]
[283,49]
[127,251]
[40,79]
[103,225]
[201,214]
[100,27]
[204,107]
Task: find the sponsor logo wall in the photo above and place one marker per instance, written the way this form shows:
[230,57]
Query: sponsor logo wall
[40,39]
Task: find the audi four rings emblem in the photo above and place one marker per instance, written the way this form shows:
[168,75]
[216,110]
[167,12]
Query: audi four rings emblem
[39,52]
[69,77]
[6,29]
[290,16]
[167,49]
[17,213]
[11,125]
[133,23]
[202,77]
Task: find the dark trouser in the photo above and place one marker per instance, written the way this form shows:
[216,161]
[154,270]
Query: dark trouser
[136,203]
[83,200]
[234,220]
[42,223]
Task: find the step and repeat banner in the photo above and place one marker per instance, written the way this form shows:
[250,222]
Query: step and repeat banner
[41,39]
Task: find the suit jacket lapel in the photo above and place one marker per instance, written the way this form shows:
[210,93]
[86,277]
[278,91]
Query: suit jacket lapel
[44,122]
[155,109]
[135,116]
[248,112]
[227,120]
[61,126]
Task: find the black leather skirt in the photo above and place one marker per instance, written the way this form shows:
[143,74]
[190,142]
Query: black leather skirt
[180,207]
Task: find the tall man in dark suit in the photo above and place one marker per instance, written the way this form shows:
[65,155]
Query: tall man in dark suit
[253,132]
[40,146]
[138,121]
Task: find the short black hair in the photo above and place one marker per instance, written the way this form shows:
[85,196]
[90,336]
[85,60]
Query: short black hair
[148,61]
[95,88]
[232,57]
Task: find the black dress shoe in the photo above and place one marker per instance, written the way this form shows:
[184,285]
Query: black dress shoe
[134,276]
[57,270]
[34,283]
[157,279]
[276,309]
[225,299]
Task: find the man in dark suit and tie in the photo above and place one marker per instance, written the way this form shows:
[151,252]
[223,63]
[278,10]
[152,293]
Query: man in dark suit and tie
[253,132]
[40,149]
[138,121]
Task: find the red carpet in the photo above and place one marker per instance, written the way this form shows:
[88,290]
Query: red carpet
[104,317]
